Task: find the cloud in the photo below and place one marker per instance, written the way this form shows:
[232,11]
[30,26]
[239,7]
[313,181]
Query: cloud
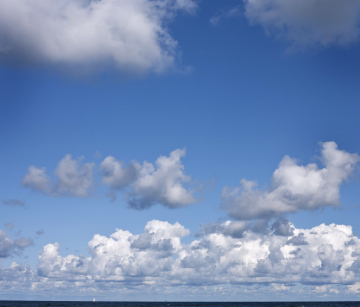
[13,202]
[9,246]
[146,184]
[9,225]
[294,187]
[40,232]
[222,14]
[158,258]
[307,23]
[73,178]
[130,35]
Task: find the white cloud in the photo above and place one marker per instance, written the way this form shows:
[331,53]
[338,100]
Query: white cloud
[162,184]
[158,258]
[157,261]
[308,23]
[143,185]
[355,288]
[294,187]
[9,246]
[115,175]
[73,178]
[147,184]
[128,34]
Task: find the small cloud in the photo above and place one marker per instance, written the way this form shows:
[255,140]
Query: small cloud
[355,288]
[9,225]
[14,202]
[97,155]
[9,247]
[224,14]
[74,178]
[40,232]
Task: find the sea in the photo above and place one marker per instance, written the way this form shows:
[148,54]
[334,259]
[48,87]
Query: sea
[175,304]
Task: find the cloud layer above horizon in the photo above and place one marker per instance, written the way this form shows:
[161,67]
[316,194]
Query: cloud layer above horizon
[324,255]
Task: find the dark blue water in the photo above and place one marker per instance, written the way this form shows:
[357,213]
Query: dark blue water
[175,304]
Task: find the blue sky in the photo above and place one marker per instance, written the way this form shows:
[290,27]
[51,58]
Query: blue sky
[179,150]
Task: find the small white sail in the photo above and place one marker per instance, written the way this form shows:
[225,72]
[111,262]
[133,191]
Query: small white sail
[94,299]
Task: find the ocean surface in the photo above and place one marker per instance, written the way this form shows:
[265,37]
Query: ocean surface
[175,304]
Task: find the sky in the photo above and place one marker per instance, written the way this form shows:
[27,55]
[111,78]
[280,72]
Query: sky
[186,150]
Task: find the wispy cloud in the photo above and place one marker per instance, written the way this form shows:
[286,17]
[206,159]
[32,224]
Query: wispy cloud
[14,202]
[307,23]
[225,13]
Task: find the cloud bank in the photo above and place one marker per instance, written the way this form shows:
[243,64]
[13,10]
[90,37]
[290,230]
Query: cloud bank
[128,34]
[294,187]
[326,257]
[326,254]
[307,23]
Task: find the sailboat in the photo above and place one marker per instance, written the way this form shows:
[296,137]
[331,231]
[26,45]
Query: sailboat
[94,300]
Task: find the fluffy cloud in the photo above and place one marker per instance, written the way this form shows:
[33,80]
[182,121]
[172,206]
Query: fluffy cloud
[144,185]
[121,257]
[294,187]
[73,178]
[128,34]
[9,246]
[147,184]
[326,254]
[307,23]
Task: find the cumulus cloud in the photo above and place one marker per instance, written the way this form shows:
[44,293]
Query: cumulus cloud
[9,246]
[307,23]
[146,184]
[294,187]
[14,202]
[157,257]
[128,34]
[73,178]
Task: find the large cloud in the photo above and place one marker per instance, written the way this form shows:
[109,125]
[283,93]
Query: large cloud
[73,178]
[324,258]
[148,184]
[128,34]
[308,23]
[326,254]
[294,187]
